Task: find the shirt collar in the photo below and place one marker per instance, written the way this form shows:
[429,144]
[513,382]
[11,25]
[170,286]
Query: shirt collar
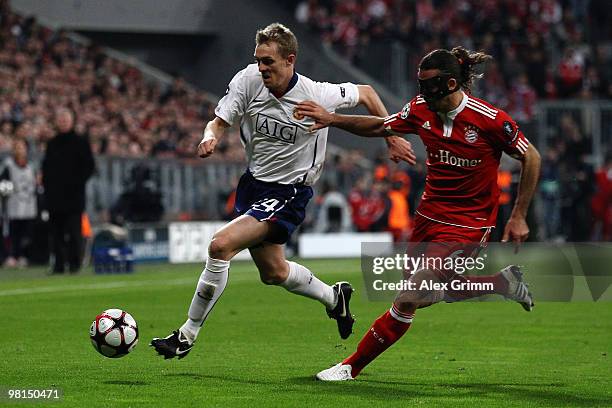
[453,114]
[292,82]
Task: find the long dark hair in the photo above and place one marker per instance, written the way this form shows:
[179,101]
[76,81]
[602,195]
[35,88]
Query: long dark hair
[458,63]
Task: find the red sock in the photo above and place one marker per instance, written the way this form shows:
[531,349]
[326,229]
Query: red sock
[500,286]
[385,331]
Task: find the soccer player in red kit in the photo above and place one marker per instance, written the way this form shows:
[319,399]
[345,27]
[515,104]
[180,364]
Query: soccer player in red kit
[465,138]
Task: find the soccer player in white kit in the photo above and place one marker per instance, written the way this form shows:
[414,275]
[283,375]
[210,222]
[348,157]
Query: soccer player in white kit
[284,159]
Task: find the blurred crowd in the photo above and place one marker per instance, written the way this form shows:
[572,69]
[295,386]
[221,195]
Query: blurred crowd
[46,73]
[386,198]
[542,48]
[575,197]
[120,112]
[573,203]
[62,101]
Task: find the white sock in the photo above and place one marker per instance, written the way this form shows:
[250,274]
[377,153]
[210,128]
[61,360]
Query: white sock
[210,287]
[301,281]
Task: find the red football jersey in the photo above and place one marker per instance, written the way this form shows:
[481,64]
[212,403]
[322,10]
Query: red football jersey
[464,147]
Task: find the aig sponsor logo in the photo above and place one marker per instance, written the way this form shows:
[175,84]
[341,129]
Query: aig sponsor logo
[274,128]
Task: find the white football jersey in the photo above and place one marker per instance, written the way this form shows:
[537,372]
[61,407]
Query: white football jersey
[278,146]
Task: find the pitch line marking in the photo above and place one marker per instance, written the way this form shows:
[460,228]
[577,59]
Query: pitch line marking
[123,284]
[93,286]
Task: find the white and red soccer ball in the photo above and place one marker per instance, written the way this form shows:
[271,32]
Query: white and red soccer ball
[114,333]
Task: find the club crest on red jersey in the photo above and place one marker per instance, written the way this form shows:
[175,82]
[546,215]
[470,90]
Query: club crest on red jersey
[405,111]
[508,129]
[471,134]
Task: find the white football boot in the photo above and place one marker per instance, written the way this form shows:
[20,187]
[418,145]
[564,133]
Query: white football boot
[339,372]
[518,290]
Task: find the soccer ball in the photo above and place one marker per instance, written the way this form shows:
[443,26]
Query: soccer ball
[114,333]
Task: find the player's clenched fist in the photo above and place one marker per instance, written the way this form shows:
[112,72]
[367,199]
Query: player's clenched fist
[207,146]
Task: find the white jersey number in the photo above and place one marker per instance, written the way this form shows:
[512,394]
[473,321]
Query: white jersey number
[266,205]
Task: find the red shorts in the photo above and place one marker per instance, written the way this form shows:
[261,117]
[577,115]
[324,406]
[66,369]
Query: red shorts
[436,239]
[426,230]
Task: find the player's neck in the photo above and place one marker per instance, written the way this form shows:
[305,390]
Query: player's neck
[453,101]
[277,93]
[285,86]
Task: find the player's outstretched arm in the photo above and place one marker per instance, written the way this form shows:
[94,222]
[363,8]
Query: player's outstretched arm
[399,148]
[213,132]
[516,229]
[367,126]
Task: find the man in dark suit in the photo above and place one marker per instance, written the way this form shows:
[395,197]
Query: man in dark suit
[66,167]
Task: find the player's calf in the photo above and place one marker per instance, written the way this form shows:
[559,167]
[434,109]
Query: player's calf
[273,272]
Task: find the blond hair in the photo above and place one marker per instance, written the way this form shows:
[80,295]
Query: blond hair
[281,35]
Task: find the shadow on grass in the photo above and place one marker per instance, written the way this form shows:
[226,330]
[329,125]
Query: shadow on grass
[197,376]
[125,382]
[553,394]
[542,393]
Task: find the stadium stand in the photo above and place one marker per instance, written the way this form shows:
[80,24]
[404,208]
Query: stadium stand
[556,54]
[122,113]
[543,49]
[548,48]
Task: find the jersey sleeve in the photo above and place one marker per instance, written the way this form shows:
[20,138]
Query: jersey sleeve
[339,96]
[507,135]
[402,122]
[233,105]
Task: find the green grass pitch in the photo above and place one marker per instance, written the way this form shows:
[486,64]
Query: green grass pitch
[262,346]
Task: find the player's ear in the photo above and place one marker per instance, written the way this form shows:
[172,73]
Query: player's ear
[452,84]
[291,59]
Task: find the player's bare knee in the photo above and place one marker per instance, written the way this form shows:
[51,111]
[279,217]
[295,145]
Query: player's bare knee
[219,248]
[424,290]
